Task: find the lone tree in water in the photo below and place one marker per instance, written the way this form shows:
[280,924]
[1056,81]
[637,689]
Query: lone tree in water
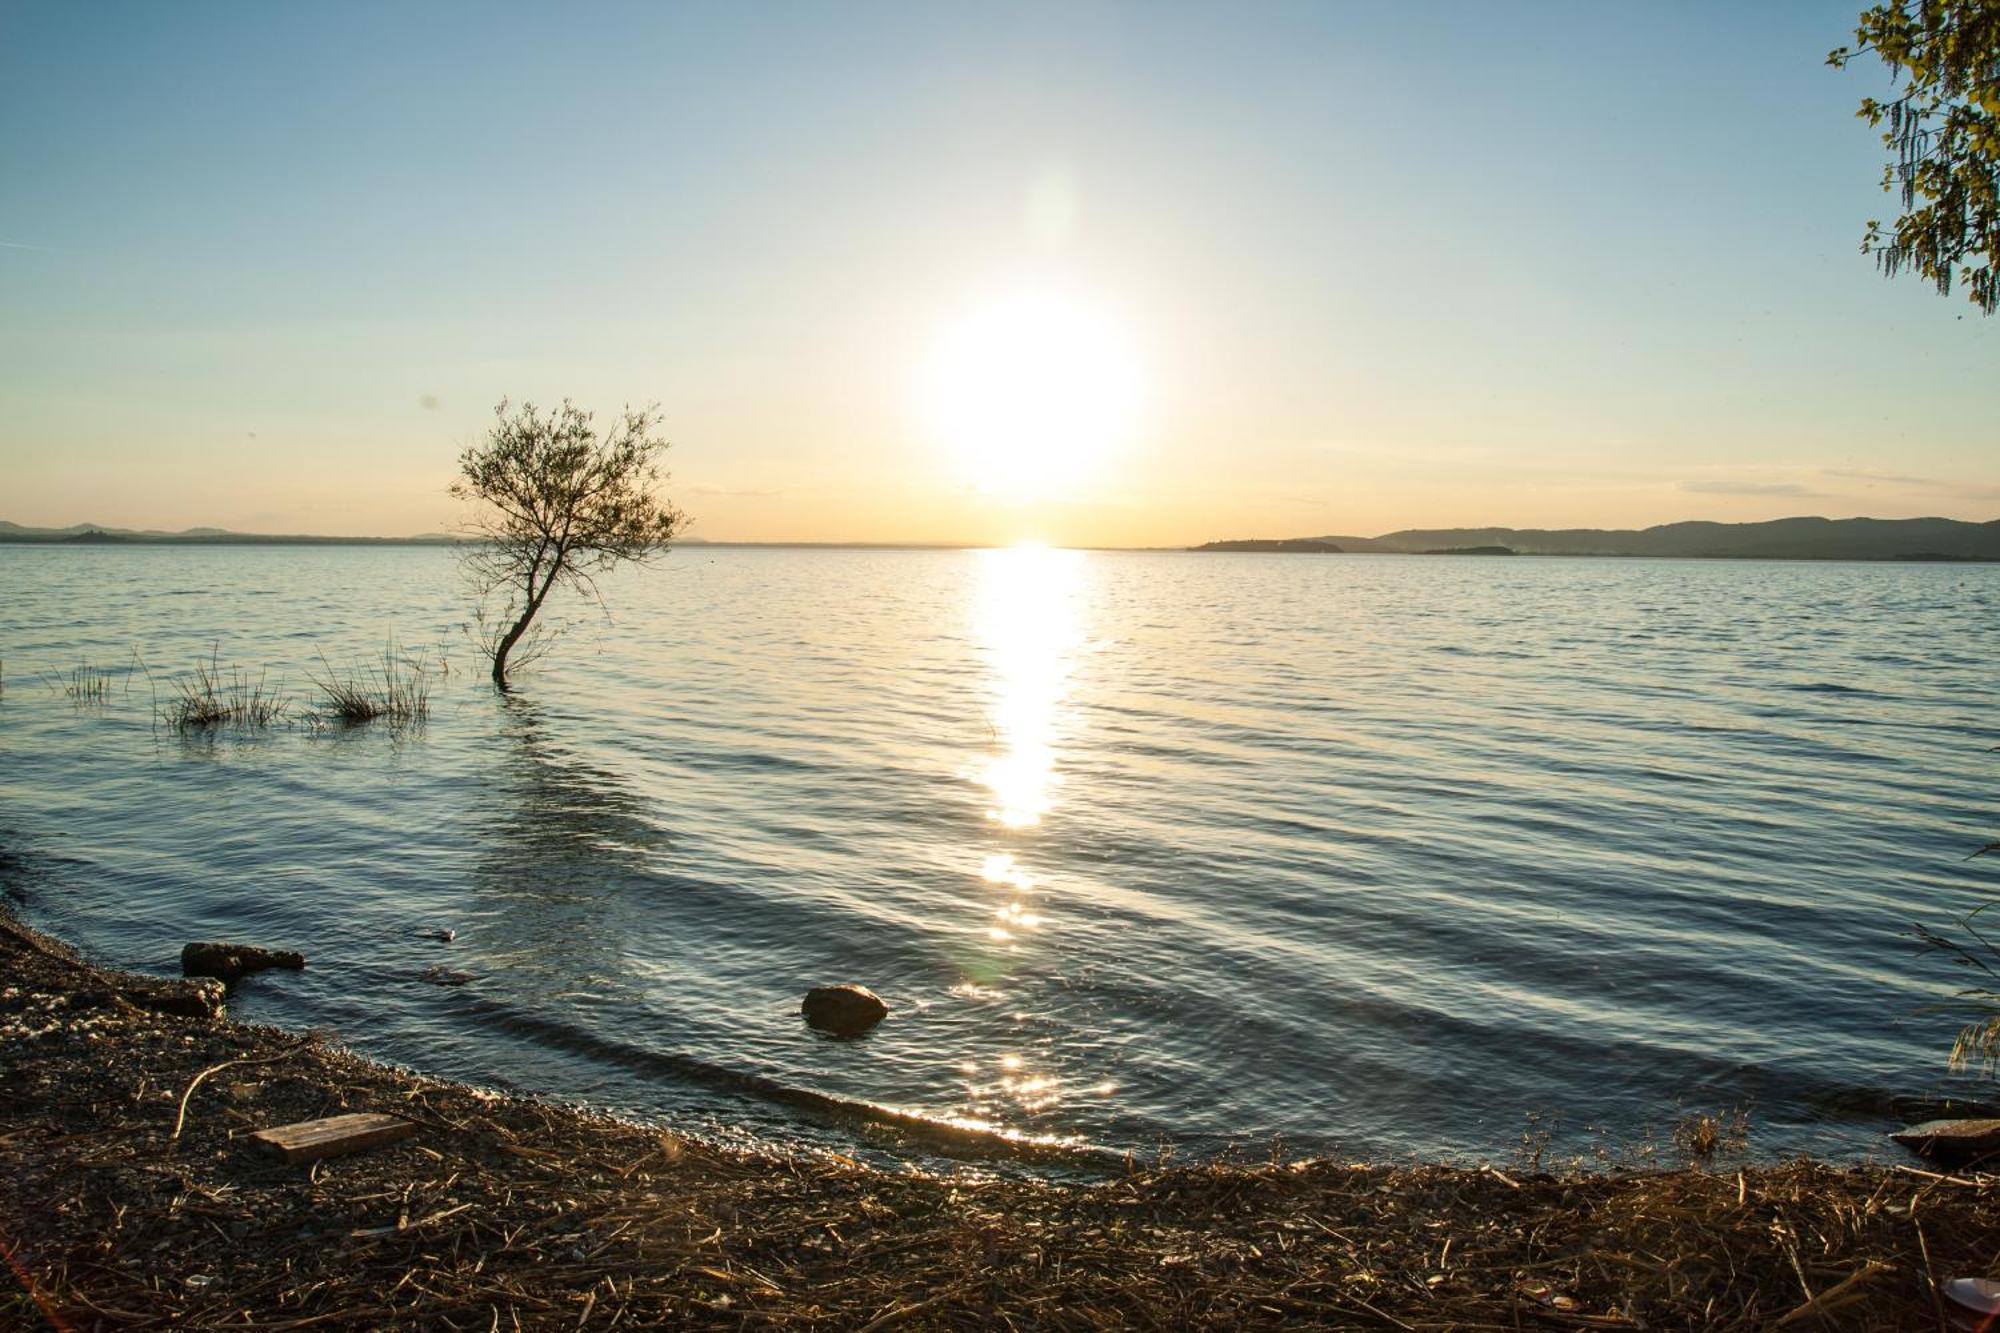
[1943,135]
[558,505]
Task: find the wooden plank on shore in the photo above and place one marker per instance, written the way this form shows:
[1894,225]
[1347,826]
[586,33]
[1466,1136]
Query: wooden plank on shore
[335,1136]
[1953,1142]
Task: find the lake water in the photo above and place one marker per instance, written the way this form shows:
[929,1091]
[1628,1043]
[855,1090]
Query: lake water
[1383,855]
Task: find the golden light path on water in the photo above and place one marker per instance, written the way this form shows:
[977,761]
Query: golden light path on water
[1028,620]
[1028,624]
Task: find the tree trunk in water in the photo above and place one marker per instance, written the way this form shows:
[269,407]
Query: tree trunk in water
[506,646]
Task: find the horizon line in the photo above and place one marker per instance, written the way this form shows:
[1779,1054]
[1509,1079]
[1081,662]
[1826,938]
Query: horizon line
[12,533]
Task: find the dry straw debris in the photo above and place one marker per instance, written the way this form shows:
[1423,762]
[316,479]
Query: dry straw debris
[507,1213]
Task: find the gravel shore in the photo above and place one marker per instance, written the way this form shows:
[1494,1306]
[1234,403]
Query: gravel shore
[132,1197]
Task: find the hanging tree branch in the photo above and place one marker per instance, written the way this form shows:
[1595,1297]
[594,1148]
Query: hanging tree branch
[1943,136]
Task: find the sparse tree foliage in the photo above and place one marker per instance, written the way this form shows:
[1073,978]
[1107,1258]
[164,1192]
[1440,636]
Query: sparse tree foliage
[1943,136]
[558,505]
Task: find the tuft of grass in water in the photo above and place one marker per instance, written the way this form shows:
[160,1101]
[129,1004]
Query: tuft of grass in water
[85,684]
[1973,946]
[212,697]
[1537,1139]
[1701,1135]
[1978,1044]
[397,688]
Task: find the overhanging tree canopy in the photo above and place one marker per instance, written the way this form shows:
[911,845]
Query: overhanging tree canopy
[1943,135]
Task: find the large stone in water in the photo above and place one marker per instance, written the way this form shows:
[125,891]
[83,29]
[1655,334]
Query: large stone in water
[227,962]
[844,1011]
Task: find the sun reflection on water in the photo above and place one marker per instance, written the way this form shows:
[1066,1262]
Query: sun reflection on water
[1027,619]
[1026,616]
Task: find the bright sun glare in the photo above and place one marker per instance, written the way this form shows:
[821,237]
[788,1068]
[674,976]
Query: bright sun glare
[1033,393]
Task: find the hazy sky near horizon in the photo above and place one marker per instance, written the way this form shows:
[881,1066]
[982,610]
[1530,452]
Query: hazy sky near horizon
[269,267]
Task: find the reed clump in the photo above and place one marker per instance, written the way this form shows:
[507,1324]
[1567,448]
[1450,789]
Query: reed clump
[86,684]
[213,696]
[1702,1135]
[395,688]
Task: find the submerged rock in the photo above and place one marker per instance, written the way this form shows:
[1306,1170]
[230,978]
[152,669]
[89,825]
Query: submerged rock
[227,962]
[844,1011]
[446,976]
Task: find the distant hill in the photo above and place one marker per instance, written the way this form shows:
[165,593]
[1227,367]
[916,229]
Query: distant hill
[91,534]
[1284,545]
[1779,539]
[1915,539]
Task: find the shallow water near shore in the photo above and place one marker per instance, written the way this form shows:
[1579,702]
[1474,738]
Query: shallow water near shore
[1380,855]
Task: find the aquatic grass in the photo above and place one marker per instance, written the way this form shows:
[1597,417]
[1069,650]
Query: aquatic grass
[1972,948]
[397,689]
[1973,945]
[1701,1135]
[212,697]
[85,684]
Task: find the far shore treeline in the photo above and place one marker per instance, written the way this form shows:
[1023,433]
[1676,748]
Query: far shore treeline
[1906,539]
[1779,539]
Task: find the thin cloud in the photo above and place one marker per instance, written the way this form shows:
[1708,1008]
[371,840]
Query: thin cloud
[1791,488]
[1930,485]
[741,495]
[1895,478]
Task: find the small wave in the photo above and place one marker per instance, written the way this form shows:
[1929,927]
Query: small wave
[954,1136]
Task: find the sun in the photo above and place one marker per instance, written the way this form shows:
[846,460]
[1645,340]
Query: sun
[1033,394]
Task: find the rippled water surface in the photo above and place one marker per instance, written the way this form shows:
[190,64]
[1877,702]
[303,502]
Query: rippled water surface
[1380,854]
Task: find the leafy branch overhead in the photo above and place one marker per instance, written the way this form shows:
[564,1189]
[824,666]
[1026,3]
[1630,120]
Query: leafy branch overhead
[1943,136]
[558,505]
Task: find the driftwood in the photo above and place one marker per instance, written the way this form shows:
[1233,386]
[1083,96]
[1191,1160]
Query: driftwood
[1952,1142]
[229,962]
[333,1136]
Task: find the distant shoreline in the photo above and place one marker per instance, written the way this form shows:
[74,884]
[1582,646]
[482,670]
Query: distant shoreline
[1213,548]
[1920,558]
[222,539]
[1904,541]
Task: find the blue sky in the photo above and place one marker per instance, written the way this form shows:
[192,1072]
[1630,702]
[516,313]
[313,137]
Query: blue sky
[270,266]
